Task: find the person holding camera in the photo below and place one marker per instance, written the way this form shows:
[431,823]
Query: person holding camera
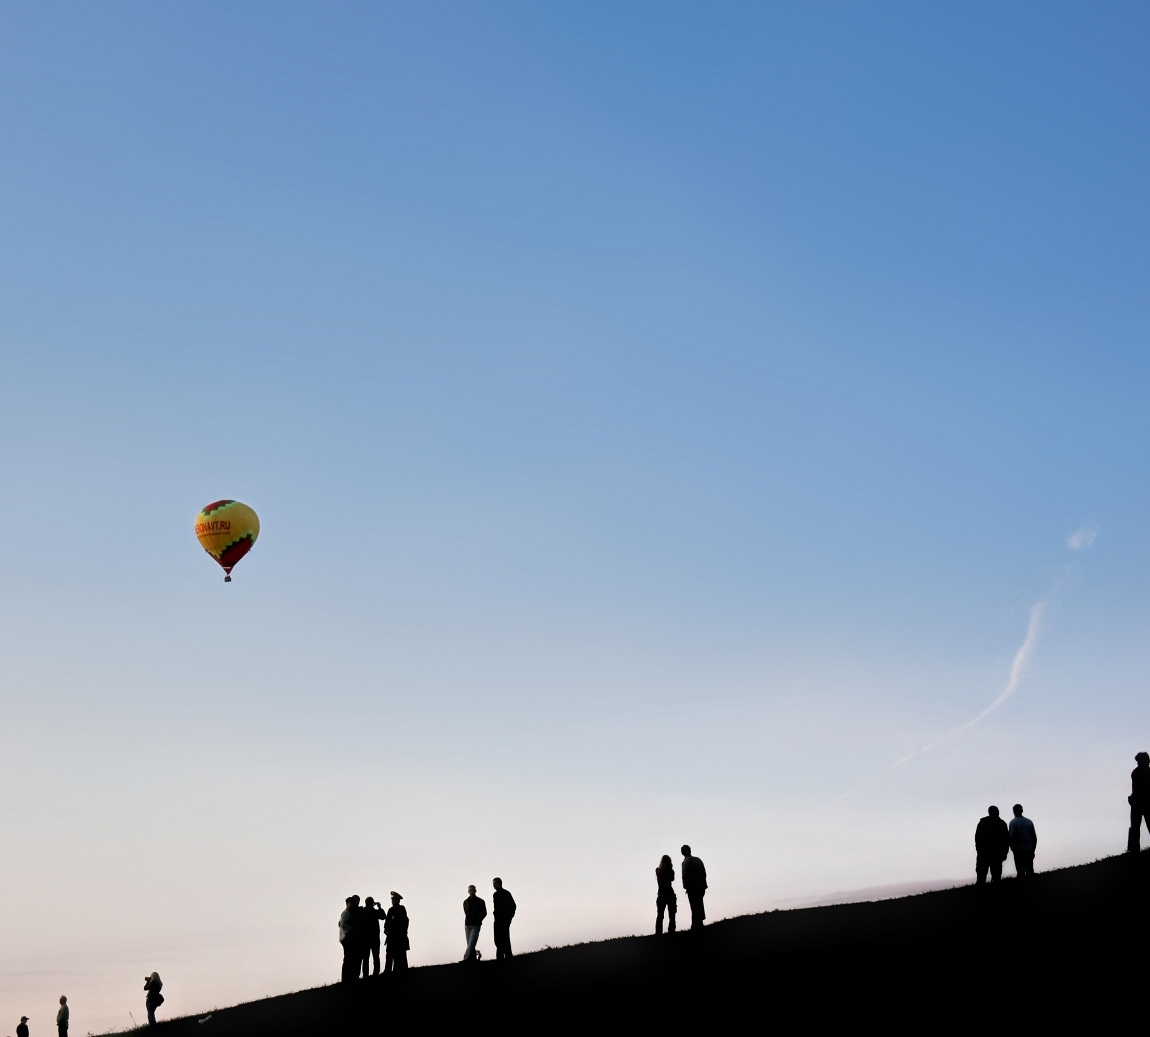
[153,985]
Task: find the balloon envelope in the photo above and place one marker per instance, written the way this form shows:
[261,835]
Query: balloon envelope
[226,529]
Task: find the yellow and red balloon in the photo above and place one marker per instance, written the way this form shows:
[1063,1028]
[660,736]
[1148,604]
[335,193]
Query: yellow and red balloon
[226,529]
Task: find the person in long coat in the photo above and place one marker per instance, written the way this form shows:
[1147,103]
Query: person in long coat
[396,944]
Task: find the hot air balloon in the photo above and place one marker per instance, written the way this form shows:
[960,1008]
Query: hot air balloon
[226,529]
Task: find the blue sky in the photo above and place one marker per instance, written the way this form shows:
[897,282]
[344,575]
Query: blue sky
[663,419]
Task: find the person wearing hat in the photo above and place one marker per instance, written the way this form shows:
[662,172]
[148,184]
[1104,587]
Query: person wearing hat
[22,1029]
[350,938]
[1139,801]
[395,935]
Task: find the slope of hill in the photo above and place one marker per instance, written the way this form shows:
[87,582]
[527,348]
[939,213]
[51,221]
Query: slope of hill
[1062,948]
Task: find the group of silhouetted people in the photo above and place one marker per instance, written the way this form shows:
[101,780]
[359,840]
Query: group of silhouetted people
[359,935]
[993,839]
[153,1000]
[694,885]
[359,931]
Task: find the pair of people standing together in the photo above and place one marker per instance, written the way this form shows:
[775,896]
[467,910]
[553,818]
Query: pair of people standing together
[475,910]
[993,839]
[694,884]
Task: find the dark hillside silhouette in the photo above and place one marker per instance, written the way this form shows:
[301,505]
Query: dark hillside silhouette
[1067,939]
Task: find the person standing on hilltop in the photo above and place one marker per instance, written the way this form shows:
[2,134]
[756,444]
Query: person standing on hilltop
[350,931]
[695,884]
[1023,842]
[1139,801]
[395,935]
[62,1017]
[502,910]
[153,985]
[373,914]
[991,845]
[665,899]
[22,1029]
[474,911]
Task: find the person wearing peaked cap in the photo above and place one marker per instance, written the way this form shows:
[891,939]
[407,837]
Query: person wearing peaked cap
[396,944]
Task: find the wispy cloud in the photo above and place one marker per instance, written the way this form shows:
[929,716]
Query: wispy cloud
[1017,670]
[1082,538]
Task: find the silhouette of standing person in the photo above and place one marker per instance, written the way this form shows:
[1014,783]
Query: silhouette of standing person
[22,1029]
[502,910]
[1139,801]
[474,911]
[695,883]
[665,899]
[153,985]
[1023,842]
[349,938]
[991,844]
[395,935]
[372,915]
[62,1017]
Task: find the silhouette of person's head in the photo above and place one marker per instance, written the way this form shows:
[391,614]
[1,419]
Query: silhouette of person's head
[685,850]
[369,902]
[1018,810]
[992,811]
[497,883]
[1142,759]
[395,897]
[471,891]
[665,863]
[63,1000]
[351,901]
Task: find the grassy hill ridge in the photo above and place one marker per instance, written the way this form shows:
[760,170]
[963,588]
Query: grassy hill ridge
[1064,944]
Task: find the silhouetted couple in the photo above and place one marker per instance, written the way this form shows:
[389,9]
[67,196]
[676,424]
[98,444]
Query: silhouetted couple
[475,910]
[993,840]
[694,885]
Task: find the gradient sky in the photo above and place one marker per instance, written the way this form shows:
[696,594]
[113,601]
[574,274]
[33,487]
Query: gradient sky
[664,419]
